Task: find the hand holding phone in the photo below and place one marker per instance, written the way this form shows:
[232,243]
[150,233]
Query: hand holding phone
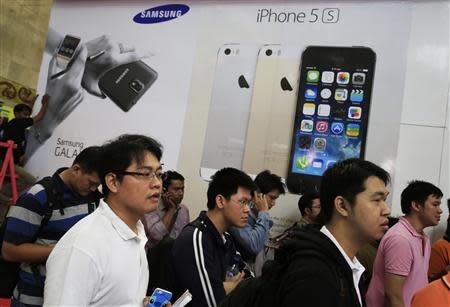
[159,298]
[113,54]
[66,94]
[261,203]
[231,282]
[168,200]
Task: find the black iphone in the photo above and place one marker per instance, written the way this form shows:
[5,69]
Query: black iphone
[125,84]
[332,112]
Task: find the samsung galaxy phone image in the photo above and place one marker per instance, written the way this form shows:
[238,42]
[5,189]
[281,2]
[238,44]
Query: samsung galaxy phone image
[332,113]
[229,108]
[272,112]
[125,84]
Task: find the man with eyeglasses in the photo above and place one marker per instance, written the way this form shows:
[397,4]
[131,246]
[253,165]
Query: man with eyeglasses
[101,261]
[36,222]
[251,239]
[309,206]
[203,256]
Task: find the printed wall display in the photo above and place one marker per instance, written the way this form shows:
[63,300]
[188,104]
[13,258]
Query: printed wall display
[291,87]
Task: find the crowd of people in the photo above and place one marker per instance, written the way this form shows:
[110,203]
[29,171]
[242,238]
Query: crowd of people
[79,247]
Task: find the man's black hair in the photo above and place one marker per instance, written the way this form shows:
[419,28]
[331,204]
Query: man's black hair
[266,182]
[305,201]
[226,182]
[120,153]
[346,178]
[418,191]
[22,107]
[169,176]
[89,159]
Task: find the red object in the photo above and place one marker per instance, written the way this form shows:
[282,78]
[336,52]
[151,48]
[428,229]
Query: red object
[5,302]
[8,162]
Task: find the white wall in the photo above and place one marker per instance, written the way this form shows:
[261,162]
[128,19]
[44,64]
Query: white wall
[423,149]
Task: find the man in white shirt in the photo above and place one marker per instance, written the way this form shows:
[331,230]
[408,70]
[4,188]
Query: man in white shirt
[101,261]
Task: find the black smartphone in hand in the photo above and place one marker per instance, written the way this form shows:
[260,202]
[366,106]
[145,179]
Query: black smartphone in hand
[125,84]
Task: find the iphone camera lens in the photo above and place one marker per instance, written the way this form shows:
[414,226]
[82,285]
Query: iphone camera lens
[227,51]
[269,52]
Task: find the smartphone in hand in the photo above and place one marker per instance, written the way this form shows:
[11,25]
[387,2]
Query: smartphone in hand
[159,298]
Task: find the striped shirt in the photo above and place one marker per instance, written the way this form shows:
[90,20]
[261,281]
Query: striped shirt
[24,220]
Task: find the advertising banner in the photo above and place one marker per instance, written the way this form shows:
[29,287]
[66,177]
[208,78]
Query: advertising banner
[287,86]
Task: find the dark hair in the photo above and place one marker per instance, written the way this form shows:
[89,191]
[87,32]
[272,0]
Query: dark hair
[22,107]
[266,182]
[89,159]
[169,176]
[120,153]
[305,201]
[418,191]
[226,183]
[346,178]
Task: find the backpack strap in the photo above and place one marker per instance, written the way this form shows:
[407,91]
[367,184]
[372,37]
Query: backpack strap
[54,198]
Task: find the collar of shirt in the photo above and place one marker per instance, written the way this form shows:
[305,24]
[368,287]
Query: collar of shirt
[411,229]
[356,267]
[122,229]
[220,239]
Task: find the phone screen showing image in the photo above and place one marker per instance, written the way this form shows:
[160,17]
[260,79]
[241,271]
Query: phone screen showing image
[68,46]
[332,111]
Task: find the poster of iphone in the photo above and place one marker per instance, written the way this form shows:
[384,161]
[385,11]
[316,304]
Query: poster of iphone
[332,111]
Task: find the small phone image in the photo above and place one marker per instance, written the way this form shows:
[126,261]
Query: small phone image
[159,298]
[229,108]
[67,50]
[125,84]
[272,112]
[332,112]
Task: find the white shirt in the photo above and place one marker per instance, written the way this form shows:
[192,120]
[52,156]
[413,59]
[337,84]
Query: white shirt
[355,265]
[98,262]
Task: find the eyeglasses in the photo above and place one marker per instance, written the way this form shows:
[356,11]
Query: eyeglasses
[147,176]
[242,203]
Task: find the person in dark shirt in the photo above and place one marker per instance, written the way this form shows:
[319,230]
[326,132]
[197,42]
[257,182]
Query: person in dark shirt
[15,130]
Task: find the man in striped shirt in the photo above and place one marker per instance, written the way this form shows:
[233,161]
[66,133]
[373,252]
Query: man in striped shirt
[203,256]
[77,196]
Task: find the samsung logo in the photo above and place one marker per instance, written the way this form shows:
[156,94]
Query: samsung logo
[161,13]
[122,75]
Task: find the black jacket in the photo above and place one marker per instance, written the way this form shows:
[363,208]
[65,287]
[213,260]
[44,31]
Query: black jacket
[200,258]
[317,274]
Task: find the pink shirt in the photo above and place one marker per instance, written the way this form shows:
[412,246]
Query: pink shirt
[404,252]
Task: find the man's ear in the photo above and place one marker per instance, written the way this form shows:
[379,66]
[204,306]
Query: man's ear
[220,201]
[76,168]
[308,211]
[416,206]
[341,205]
[112,182]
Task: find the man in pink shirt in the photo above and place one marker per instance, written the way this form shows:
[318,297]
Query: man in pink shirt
[401,264]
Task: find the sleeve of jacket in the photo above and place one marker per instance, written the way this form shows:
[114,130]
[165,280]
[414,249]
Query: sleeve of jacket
[207,271]
[253,235]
